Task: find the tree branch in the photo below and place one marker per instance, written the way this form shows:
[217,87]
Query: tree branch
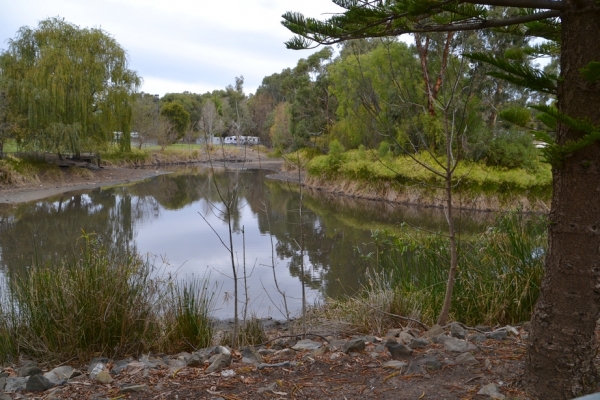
[544,4]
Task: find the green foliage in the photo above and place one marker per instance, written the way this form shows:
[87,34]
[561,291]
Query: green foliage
[512,150]
[591,72]
[498,280]
[384,149]
[335,156]
[100,301]
[177,116]
[71,86]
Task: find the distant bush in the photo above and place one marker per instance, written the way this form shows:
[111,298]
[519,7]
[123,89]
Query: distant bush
[512,149]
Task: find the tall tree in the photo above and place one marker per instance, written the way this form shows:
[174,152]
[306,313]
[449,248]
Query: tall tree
[177,116]
[72,84]
[562,344]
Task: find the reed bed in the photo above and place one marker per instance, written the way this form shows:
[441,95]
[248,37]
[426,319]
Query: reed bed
[498,281]
[101,301]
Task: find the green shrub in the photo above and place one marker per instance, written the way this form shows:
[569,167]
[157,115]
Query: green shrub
[512,149]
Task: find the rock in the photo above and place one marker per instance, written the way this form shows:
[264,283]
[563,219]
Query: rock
[397,350]
[483,328]
[119,367]
[29,369]
[405,337]
[37,383]
[354,345]
[103,377]
[61,374]
[251,356]
[228,373]
[430,363]
[270,388]
[415,368]
[393,364]
[458,345]
[457,331]
[526,326]
[15,384]
[488,364]
[497,335]
[418,343]
[491,390]
[477,338]
[2,382]
[5,397]
[321,351]
[133,388]
[95,361]
[433,331]
[307,345]
[394,332]
[336,344]
[222,361]
[441,338]
[195,361]
[466,358]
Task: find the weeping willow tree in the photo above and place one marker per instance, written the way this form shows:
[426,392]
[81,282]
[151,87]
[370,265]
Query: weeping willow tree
[72,86]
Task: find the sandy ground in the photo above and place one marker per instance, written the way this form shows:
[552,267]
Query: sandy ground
[71,180]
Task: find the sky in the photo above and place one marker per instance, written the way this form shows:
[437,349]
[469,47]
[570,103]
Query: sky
[182,45]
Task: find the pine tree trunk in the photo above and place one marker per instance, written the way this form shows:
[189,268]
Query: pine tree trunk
[562,344]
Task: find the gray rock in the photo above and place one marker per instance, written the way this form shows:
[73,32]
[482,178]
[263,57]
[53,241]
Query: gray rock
[491,390]
[95,361]
[397,350]
[406,337]
[222,361]
[458,345]
[497,335]
[98,367]
[37,383]
[251,356]
[15,384]
[394,332]
[336,344]
[61,374]
[5,397]
[466,358]
[195,361]
[2,382]
[430,363]
[394,364]
[415,368]
[477,338]
[29,369]
[434,331]
[321,351]
[441,338]
[134,388]
[418,343]
[526,326]
[307,345]
[457,330]
[354,345]
[119,367]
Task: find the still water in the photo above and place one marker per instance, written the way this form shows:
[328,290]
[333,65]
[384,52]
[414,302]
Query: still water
[179,221]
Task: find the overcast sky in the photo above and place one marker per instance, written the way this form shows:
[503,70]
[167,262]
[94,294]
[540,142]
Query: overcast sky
[180,45]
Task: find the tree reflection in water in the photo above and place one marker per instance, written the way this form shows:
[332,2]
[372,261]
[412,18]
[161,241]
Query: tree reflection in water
[160,216]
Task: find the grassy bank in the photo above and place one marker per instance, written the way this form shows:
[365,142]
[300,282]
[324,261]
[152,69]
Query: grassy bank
[101,301]
[498,281]
[380,175]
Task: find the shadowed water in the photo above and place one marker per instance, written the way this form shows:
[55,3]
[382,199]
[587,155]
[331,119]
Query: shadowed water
[178,221]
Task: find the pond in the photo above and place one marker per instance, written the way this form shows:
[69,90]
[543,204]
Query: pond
[178,221]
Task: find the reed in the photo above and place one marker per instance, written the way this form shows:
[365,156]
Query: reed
[100,301]
[500,271]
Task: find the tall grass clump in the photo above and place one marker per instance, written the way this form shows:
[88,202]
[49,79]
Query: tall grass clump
[100,301]
[500,271]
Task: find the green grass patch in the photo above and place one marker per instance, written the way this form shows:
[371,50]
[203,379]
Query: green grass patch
[367,166]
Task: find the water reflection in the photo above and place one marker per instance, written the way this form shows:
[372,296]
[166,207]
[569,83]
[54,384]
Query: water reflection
[161,217]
